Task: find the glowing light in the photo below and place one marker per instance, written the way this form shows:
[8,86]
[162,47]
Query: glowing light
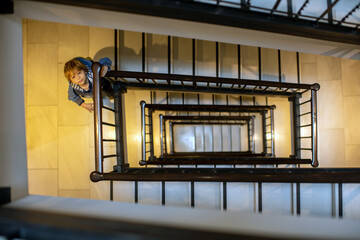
[137,137]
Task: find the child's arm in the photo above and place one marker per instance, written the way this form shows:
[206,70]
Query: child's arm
[74,97]
[105,66]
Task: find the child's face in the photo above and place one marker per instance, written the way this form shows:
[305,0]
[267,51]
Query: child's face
[78,77]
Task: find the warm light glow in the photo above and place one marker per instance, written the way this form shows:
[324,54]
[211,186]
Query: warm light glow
[137,137]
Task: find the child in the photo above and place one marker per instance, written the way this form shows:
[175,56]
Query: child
[80,77]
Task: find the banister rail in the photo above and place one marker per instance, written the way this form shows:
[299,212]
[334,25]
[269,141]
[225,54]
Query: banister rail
[98,132]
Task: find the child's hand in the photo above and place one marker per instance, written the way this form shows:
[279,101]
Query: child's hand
[103,71]
[88,106]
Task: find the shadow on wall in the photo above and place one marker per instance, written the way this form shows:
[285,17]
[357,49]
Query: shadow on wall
[105,52]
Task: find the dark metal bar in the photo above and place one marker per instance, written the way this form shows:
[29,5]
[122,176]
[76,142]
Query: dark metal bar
[120,131]
[204,118]
[193,57]
[111,190]
[169,56]
[109,140]
[244,5]
[98,134]
[308,149]
[224,196]
[305,102]
[151,135]
[108,124]
[143,52]
[110,109]
[221,154]
[259,62]
[349,14]
[279,63]
[239,60]
[281,175]
[296,126]
[305,114]
[260,196]
[289,8]
[208,108]
[192,194]
[330,13]
[298,202]
[217,58]
[249,139]
[275,7]
[301,8]
[5,195]
[116,49]
[143,131]
[211,89]
[163,193]
[314,129]
[263,117]
[205,79]
[329,9]
[171,132]
[206,123]
[306,137]
[136,191]
[110,156]
[340,200]
[240,160]
[161,134]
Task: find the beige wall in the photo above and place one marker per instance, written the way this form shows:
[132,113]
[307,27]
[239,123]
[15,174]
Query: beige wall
[60,134]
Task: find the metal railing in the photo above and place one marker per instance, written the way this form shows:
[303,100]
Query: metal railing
[124,80]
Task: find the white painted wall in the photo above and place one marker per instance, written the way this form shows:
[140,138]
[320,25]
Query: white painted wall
[13,167]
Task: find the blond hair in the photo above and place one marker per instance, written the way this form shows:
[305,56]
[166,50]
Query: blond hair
[72,65]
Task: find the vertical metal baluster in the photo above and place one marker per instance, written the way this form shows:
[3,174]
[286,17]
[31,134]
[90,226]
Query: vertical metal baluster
[171,131]
[163,192]
[340,189]
[298,203]
[260,196]
[161,135]
[143,131]
[279,63]
[192,194]
[272,132]
[314,128]
[259,62]
[224,196]
[111,191]
[136,192]
[97,118]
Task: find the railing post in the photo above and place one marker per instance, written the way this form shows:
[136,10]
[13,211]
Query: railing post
[171,132]
[120,131]
[263,117]
[272,132]
[250,142]
[98,133]
[252,134]
[161,134]
[143,131]
[314,128]
[296,126]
